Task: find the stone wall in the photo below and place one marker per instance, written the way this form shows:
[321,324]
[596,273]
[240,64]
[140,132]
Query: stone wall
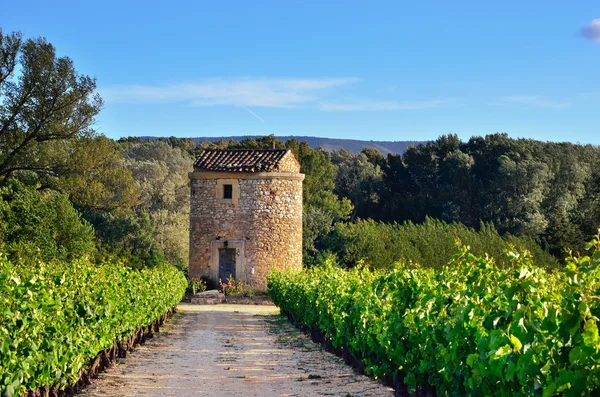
[264,223]
[288,163]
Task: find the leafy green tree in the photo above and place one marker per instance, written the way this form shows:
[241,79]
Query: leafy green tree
[358,180]
[322,207]
[96,175]
[41,224]
[160,176]
[43,101]
[543,190]
[375,157]
[456,188]
[126,236]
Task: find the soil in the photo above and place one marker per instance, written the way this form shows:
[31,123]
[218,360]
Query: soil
[232,350]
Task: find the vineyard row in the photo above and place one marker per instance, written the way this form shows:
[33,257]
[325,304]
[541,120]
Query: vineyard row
[468,329]
[61,322]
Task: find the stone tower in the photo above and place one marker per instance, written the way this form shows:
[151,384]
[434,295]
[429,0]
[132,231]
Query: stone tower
[245,214]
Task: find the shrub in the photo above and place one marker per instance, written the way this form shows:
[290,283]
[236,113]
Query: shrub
[233,286]
[429,244]
[41,224]
[196,285]
[126,236]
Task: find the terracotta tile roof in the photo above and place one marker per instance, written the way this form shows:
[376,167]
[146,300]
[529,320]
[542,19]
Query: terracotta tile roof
[239,160]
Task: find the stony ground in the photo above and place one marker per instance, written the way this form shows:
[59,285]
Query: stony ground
[232,350]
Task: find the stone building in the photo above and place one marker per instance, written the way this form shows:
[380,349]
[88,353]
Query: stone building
[245,214]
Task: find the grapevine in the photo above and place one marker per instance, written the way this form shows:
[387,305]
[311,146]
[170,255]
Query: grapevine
[470,328]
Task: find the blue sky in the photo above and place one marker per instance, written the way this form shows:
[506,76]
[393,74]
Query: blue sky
[380,70]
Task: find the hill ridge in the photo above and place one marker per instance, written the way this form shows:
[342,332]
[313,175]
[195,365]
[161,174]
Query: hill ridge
[330,144]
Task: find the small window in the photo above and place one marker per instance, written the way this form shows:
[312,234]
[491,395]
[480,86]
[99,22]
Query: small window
[228,192]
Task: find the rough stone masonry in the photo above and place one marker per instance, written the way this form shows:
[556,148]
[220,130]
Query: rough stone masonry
[245,214]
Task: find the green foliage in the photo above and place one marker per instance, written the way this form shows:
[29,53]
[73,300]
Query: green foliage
[429,244]
[233,287]
[95,175]
[357,179]
[321,206]
[136,196]
[469,328]
[46,141]
[43,103]
[545,190]
[55,318]
[127,236]
[196,285]
[160,177]
[41,224]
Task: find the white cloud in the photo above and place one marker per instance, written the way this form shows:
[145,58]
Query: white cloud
[321,94]
[536,101]
[365,105]
[248,92]
[591,31]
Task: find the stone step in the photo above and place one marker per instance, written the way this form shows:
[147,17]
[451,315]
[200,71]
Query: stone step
[206,301]
[212,297]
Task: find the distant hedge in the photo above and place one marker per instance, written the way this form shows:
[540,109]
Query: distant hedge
[429,244]
[55,318]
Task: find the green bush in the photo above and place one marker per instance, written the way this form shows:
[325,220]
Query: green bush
[35,224]
[429,244]
[126,236]
[55,318]
[469,328]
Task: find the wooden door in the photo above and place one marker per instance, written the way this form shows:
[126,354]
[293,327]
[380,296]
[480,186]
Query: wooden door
[226,263]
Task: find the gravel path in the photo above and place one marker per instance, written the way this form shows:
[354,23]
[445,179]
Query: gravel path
[232,350]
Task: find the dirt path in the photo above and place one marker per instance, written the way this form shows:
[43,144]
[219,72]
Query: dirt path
[232,350]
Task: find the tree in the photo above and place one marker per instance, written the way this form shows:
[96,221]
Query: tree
[95,175]
[127,236]
[455,188]
[160,176]
[544,190]
[41,224]
[43,100]
[321,206]
[358,180]
[263,142]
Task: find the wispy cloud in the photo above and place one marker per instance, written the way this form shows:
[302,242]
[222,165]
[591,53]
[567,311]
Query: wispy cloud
[321,94]
[245,92]
[366,105]
[535,101]
[591,31]
[590,95]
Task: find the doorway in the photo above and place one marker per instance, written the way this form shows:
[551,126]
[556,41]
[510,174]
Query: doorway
[227,258]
